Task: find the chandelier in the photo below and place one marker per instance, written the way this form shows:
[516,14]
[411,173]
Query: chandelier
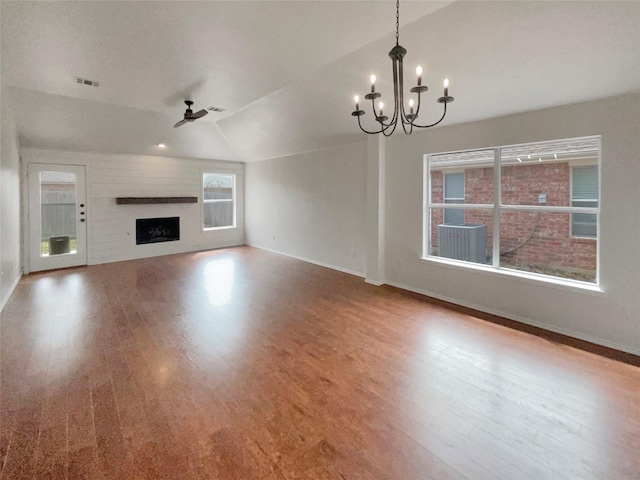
[408,120]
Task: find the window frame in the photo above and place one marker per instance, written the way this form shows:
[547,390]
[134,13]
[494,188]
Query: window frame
[219,200]
[497,208]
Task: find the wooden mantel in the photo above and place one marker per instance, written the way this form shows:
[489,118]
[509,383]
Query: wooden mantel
[146,200]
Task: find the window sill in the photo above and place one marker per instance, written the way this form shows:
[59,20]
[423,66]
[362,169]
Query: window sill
[526,277]
[231,227]
[588,240]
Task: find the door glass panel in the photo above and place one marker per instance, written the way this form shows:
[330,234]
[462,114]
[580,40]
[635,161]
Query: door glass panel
[58,213]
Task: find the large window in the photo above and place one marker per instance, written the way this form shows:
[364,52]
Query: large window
[531,208]
[218,200]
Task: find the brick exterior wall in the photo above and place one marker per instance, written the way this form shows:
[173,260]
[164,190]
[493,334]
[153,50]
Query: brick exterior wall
[541,238]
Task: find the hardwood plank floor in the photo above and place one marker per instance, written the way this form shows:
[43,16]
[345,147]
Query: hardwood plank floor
[243,364]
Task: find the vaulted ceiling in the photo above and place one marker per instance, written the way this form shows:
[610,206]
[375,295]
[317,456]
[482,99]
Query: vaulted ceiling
[286,71]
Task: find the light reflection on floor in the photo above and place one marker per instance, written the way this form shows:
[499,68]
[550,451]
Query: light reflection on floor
[214,332]
[218,281]
[61,322]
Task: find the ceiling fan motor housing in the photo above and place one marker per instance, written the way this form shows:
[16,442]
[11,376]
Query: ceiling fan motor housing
[189,116]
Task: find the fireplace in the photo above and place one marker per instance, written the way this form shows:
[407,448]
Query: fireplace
[153,230]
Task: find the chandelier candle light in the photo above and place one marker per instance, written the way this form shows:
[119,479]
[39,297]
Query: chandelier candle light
[387,127]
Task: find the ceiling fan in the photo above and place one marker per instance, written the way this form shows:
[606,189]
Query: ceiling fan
[189,116]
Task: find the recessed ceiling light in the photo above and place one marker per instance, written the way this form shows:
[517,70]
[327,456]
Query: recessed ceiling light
[162,145]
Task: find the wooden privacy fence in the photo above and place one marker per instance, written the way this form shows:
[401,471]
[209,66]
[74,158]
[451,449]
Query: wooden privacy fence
[58,212]
[218,214]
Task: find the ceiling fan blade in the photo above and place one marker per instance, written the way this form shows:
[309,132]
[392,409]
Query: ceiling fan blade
[199,114]
[180,123]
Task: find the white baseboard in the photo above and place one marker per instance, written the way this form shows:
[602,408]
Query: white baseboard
[11,289]
[377,283]
[517,318]
[308,260]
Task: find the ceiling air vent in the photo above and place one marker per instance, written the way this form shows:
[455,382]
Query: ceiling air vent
[216,109]
[84,81]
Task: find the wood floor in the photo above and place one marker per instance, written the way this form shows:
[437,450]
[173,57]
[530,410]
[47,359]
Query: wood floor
[242,364]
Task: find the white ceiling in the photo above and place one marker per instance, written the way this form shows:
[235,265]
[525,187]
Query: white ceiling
[286,71]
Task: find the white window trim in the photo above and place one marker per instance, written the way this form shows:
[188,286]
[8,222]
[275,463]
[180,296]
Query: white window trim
[219,200]
[497,208]
[528,277]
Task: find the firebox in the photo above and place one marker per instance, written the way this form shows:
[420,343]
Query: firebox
[153,230]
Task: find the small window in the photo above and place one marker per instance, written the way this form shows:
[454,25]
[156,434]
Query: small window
[584,193]
[453,193]
[218,200]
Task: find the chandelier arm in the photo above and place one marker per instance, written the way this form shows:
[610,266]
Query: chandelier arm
[394,119]
[393,129]
[367,131]
[403,114]
[408,128]
[406,125]
[433,124]
[417,107]
[405,121]
[386,126]
[383,126]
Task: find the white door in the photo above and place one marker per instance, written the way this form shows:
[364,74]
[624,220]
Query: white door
[57,216]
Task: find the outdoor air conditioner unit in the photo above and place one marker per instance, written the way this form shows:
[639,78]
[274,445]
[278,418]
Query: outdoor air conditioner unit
[59,245]
[463,242]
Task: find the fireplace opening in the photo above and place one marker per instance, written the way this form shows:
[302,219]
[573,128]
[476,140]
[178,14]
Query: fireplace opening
[154,230]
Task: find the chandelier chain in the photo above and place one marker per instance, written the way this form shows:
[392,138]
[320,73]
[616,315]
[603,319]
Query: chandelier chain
[397,22]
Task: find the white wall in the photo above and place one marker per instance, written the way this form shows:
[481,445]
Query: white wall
[111,228]
[611,318]
[10,264]
[311,206]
